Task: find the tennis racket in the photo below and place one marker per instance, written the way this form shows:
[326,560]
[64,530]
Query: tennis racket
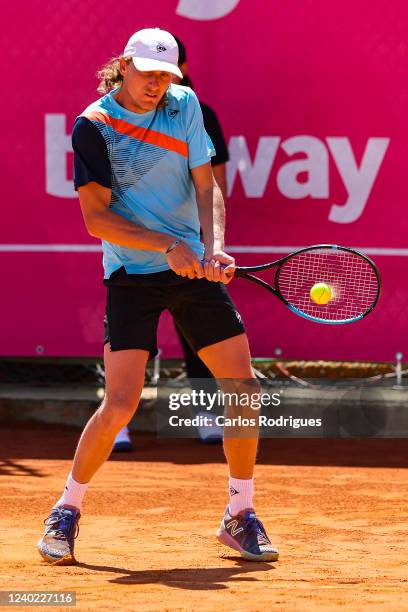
[352,277]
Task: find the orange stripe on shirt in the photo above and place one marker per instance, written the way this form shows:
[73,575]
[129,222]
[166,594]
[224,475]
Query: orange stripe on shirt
[143,134]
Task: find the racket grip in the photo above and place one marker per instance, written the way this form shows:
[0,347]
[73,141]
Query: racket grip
[203,261]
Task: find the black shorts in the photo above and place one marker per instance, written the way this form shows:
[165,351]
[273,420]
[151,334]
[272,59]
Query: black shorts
[202,309]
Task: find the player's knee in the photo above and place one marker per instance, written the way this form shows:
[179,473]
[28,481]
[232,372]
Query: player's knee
[117,412]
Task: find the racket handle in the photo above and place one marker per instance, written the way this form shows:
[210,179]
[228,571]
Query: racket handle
[203,261]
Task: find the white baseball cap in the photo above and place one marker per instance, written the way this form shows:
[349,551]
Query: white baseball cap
[153,49]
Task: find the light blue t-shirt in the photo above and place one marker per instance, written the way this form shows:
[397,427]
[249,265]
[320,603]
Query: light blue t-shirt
[149,157]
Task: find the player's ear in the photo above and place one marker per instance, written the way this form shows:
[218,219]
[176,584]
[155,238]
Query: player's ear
[123,65]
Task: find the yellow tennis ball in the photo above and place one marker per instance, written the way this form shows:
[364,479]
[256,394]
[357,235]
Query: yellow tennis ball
[321,293]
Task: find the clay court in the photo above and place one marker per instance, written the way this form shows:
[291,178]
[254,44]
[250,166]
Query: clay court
[336,509]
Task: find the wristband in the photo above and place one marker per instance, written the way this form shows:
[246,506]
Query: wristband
[173,246]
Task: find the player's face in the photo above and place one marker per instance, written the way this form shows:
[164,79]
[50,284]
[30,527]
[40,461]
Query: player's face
[142,91]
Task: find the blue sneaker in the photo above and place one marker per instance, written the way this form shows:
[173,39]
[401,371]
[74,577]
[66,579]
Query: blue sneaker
[123,443]
[57,544]
[246,534]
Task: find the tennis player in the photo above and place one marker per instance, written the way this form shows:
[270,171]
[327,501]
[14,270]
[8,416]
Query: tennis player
[145,185]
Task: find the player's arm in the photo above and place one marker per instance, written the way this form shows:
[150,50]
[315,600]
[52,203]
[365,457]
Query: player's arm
[92,177]
[218,265]
[208,195]
[104,223]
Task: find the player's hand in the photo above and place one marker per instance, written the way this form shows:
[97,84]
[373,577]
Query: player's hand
[183,261]
[219,267]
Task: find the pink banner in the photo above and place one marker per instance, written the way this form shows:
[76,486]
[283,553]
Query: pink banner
[312,98]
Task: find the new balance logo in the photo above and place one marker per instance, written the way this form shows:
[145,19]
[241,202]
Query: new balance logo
[160,48]
[233,491]
[232,525]
[173,113]
[262,539]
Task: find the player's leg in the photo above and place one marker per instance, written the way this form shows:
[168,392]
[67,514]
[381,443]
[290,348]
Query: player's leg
[240,528]
[230,359]
[124,374]
[132,316]
[217,334]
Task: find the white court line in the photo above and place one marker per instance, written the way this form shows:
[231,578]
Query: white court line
[94,248]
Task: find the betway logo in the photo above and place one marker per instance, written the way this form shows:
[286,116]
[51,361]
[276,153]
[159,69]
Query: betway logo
[358,177]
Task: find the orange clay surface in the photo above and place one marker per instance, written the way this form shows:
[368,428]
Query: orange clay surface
[337,509]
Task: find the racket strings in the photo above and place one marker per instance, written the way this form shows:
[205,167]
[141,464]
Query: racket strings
[351,278]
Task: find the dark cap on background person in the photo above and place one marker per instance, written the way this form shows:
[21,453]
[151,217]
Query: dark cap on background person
[182,63]
[182,51]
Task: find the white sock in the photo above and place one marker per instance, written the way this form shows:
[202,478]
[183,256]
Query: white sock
[241,494]
[73,493]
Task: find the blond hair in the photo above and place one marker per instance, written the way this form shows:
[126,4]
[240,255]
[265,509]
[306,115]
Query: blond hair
[110,77]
